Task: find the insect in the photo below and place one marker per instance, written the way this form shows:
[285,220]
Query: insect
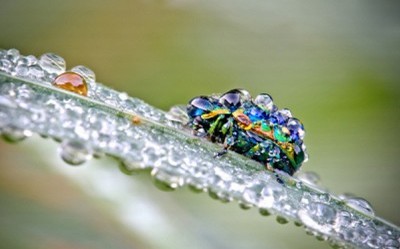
[254,128]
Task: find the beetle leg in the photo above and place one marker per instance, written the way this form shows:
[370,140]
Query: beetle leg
[227,130]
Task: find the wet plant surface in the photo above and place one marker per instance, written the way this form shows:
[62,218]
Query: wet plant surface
[144,138]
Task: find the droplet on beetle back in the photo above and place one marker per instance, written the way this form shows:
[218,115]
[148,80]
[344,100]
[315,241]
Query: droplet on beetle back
[72,82]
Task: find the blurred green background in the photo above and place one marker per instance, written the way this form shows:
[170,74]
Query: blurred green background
[334,64]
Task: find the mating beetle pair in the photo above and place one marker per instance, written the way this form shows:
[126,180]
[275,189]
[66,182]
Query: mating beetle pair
[254,128]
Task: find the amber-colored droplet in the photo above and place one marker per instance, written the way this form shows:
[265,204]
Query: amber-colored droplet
[72,82]
[135,120]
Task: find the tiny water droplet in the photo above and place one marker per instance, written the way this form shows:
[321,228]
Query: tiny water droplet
[264,211]
[281,220]
[245,206]
[13,134]
[75,152]
[298,223]
[52,63]
[123,96]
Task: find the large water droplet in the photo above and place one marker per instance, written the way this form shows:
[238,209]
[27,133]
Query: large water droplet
[52,63]
[13,134]
[75,152]
[87,74]
[35,72]
[318,216]
[358,203]
[177,115]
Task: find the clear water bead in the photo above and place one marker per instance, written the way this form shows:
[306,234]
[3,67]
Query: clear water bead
[358,203]
[13,134]
[166,180]
[21,70]
[12,55]
[52,63]
[75,152]
[265,102]
[35,72]
[86,73]
[318,216]
[309,177]
[5,65]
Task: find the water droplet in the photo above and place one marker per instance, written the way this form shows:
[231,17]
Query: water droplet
[264,211]
[75,152]
[298,224]
[265,102]
[309,177]
[12,55]
[21,70]
[166,180]
[5,65]
[318,216]
[358,203]
[13,134]
[86,73]
[72,82]
[177,115]
[123,96]
[131,167]
[35,72]
[52,63]
[245,206]
[281,220]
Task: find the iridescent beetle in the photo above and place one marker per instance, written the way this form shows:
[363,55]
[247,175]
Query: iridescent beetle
[254,128]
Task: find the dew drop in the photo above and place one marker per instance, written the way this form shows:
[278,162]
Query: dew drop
[358,203]
[298,224]
[265,102]
[21,70]
[35,72]
[264,212]
[52,63]
[86,73]
[75,152]
[166,180]
[72,82]
[177,115]
[318,216]
[281,220]
[12,55]
[309,177]
[5,65]
[13,134]
[123,96]
[131,167]
[245,206]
